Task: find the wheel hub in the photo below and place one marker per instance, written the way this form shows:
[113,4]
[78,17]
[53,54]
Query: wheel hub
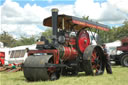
[126,61]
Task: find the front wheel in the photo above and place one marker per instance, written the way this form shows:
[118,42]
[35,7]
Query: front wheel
[124,60]
[36,68]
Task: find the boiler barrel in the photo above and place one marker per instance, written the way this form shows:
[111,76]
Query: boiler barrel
[67,53]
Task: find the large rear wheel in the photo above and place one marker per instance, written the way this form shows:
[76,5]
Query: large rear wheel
[93,60]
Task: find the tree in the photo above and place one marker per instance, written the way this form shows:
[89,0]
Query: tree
[25,41]
[7,39]
[86,17]
[47,34]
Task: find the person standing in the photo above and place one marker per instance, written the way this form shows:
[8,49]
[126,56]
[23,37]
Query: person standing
[107,60]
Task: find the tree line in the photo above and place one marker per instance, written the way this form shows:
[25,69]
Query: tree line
[115,33]
[9,41]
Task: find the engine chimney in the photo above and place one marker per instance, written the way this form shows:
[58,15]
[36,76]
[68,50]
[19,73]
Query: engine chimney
[54,22]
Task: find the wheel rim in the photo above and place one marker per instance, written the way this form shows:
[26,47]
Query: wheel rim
[97,61]
[126,61]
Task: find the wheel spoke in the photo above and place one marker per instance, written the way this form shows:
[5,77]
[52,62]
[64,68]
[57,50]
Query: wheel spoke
[95,61]
[94,64]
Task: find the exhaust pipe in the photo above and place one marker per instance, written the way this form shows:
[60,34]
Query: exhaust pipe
[54,25]
[54,21]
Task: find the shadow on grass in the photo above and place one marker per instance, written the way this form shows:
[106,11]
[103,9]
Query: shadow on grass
[79,75]
[117,66]
[20,78]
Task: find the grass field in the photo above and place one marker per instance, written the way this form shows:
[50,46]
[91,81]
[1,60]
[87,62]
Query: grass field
[119,77]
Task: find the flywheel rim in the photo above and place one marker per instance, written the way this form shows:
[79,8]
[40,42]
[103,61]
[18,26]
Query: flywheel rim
[83,40]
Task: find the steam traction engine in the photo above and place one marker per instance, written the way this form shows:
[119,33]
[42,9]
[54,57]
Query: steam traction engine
[69,52]
[123,57]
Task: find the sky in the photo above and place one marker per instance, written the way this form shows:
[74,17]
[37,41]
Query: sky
[25,17]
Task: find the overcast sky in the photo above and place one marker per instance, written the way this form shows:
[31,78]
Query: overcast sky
[24,17]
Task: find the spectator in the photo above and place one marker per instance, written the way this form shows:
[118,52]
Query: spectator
[107,60]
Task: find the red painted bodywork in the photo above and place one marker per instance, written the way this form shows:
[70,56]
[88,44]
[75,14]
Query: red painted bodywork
[70,53]
[124,40]
[124,46]
[2,57]
[72,41]
[54,52]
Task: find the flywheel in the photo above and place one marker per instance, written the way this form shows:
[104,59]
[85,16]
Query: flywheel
[82,40]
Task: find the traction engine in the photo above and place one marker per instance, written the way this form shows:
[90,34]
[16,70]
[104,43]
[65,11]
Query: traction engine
[69,52]
[122,59]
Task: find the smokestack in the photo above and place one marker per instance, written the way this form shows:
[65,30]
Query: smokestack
[54,21]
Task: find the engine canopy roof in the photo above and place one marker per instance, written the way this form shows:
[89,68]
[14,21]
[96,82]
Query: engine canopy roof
[75,23]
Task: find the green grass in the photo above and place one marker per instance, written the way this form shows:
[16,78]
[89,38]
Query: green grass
[119,77]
